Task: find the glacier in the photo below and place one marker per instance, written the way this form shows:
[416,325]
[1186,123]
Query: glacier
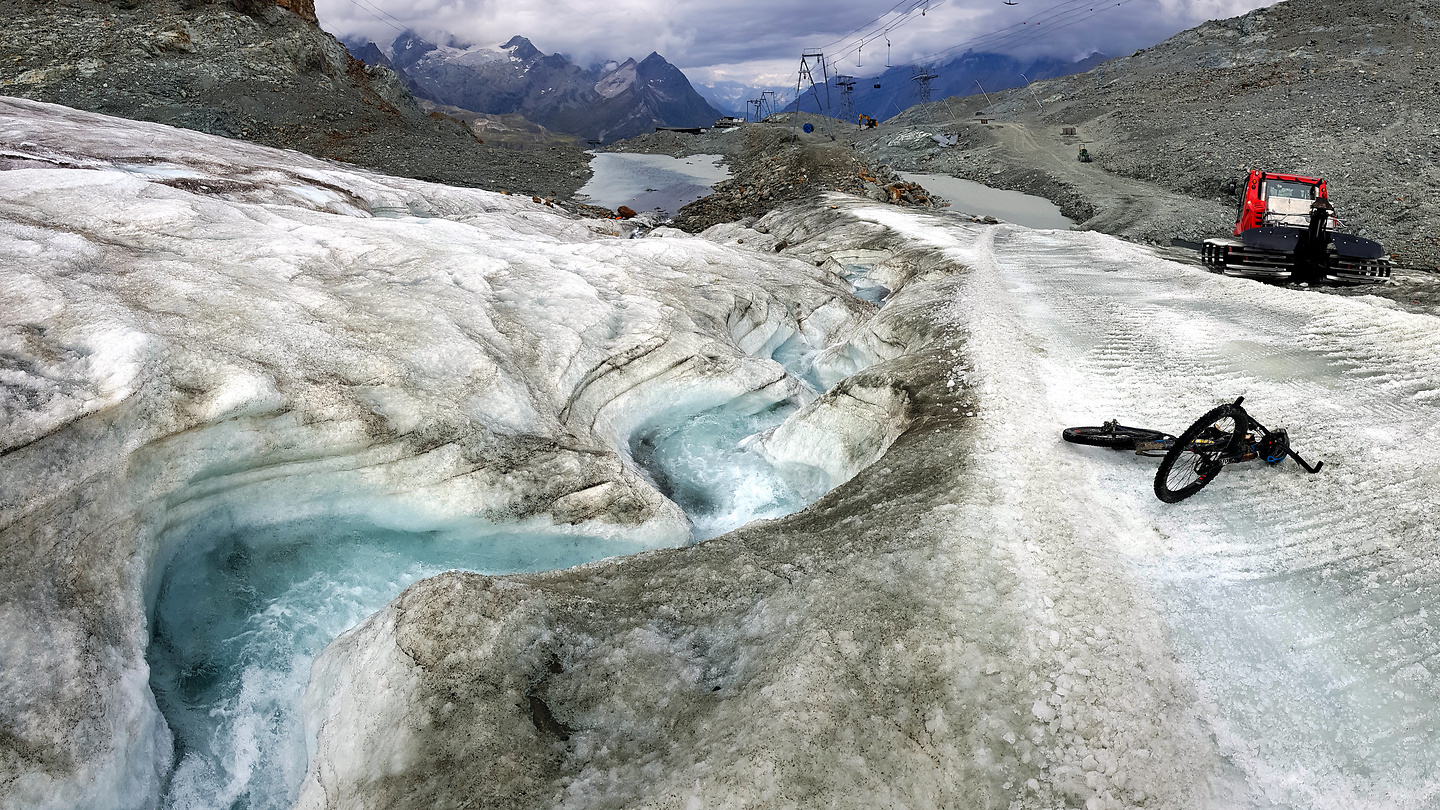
[218,354]
[432,464]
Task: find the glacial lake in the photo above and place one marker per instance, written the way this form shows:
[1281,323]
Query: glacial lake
[981,200]
[651,182]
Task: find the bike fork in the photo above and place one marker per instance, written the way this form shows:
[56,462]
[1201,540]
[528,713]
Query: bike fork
[1303,464]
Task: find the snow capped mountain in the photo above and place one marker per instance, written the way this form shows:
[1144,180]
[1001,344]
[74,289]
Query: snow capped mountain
[605,103]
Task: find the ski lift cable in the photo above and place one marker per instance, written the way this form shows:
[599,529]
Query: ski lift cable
[1033,28]
[1057,17]
[881,34]
[1045,16]
[1024,38]
[850,45]
[913,4]
[1024,28]
[884,33]
[1073,17]
[892,10]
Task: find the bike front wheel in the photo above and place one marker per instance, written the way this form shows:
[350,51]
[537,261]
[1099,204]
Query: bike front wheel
[1112,435]
[1197,456]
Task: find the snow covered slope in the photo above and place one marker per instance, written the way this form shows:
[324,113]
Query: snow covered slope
[194,329]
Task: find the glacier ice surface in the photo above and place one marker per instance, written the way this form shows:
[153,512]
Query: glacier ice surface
[308,385]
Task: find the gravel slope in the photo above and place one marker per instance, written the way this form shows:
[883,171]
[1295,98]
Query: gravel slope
[1342,90]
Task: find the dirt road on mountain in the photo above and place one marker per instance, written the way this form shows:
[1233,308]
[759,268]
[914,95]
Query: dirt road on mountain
[1024,154]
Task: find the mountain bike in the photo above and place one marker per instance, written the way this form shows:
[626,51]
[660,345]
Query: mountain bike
[1225,435]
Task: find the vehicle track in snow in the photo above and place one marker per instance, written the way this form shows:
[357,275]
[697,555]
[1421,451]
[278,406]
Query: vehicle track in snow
[1305,609]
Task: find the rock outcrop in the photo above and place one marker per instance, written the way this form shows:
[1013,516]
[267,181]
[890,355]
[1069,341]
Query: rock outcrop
[774,163]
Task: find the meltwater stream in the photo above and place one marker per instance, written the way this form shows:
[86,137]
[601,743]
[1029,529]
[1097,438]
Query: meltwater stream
[242,612]
[704,465]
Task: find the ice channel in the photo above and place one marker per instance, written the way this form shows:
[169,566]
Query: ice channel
[241,611]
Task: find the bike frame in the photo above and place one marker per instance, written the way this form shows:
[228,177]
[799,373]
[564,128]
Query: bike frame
[1243,447]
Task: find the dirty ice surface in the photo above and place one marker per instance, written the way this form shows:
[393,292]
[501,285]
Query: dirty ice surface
[981,200]
[247,274]
[651,182]
[1305,608]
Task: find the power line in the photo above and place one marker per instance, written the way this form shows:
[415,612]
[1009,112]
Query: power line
[356,3]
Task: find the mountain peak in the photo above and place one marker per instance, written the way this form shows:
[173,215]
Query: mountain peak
[521,47]
[603,102]
[409,48]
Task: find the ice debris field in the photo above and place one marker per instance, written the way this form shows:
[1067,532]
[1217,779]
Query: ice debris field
[248,398]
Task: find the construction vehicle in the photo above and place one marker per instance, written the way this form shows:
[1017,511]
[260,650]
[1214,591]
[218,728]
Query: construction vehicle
[1286,230]
[1084,156]
[866,122]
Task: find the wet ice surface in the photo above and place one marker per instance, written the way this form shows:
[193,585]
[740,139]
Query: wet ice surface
[704,465]
[242,613]
[650,182]
[981,200]
[1305,608]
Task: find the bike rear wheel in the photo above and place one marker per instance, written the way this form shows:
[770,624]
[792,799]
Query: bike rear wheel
[1112,435]
[1196,457]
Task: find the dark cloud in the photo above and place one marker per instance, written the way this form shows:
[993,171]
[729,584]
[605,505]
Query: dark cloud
[759,41]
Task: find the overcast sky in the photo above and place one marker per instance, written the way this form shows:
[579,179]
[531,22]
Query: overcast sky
[759,41]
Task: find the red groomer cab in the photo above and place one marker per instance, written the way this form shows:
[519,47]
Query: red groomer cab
[1286,230]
